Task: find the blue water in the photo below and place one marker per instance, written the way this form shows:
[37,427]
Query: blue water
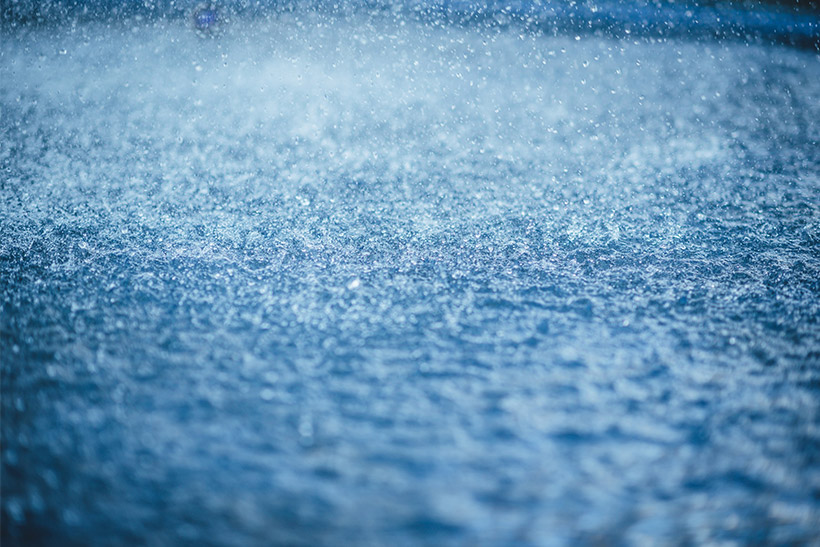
[360,280]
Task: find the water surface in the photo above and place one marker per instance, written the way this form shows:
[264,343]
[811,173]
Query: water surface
[369,280]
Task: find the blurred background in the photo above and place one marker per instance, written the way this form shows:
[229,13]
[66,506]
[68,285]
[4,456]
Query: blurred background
[786,21]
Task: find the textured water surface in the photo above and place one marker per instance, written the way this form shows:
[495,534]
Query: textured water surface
[350,280]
